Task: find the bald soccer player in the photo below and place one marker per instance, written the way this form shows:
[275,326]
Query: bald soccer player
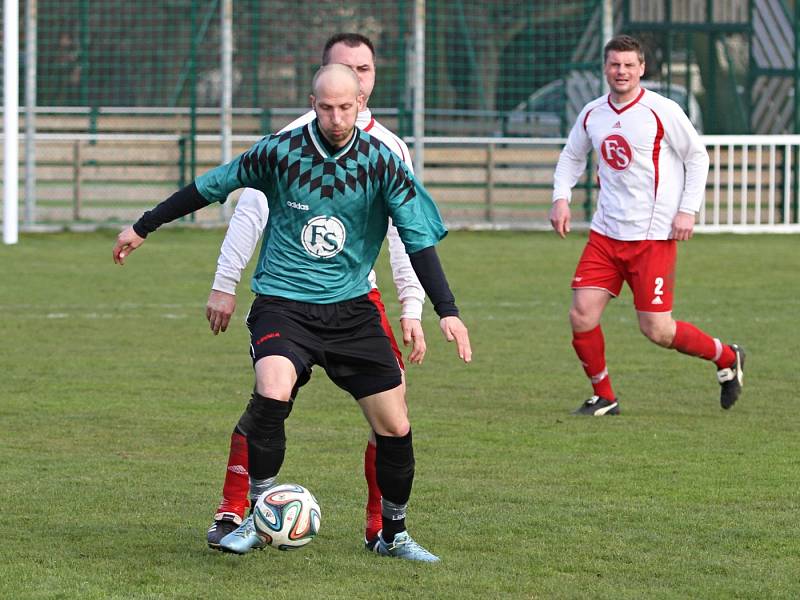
[331,189]
[248,221]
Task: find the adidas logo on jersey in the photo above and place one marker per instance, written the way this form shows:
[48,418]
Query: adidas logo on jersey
[616,125]
[297,205]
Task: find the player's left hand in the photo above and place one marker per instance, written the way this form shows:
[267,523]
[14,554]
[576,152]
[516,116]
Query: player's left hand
[413,334]
[454,329]
[127,241]
[682,227]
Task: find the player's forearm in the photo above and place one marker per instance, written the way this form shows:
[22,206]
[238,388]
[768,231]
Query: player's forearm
[694,186]
[183,202]
[411,308]
[431,275]
[568,170]
[409,289]
[572,160]
[245,227]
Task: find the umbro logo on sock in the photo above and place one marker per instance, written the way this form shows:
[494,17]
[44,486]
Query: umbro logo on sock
[238,469]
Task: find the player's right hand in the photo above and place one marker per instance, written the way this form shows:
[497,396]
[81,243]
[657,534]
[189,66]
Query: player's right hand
[454,330]
[127,241]
[414,335]
[219,308]
[560,217]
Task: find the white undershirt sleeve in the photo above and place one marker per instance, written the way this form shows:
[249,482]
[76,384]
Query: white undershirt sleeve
[409,289]
[244,230]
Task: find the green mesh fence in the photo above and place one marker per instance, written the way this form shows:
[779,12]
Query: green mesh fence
[486,59]
[519,68]
[507,67]
[483,58]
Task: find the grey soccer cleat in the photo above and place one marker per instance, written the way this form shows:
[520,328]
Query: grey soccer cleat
[404,547]
[243,539]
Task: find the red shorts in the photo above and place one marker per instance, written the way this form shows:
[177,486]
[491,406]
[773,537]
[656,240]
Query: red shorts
[375,296]
[647,265]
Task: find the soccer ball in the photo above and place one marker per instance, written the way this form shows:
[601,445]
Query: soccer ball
[287,515]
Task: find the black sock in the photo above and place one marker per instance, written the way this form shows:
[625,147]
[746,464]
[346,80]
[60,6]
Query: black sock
[394,465]
[390,528]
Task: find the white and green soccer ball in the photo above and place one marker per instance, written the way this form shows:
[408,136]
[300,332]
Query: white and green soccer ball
[288,516]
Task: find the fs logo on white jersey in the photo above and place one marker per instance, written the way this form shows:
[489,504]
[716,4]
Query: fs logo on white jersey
[616,151]
[324,237]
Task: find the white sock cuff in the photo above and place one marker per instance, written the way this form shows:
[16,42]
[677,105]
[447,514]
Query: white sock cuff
[718,350]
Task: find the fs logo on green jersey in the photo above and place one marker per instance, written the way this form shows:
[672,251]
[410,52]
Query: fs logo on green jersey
[324,237]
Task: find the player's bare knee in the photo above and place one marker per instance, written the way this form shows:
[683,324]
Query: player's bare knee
[575,318]
[396,428]
[657,333]
[276,377]
[582,320]
[274,390]
[272,386]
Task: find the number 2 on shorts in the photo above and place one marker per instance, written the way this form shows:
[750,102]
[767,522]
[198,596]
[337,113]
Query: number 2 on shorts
[657,290]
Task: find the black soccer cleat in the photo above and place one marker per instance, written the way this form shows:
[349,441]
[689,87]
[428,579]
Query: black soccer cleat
[221,526]
[597,407]
[732,379]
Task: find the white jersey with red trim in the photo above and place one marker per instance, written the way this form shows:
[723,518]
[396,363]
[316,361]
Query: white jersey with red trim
[651,163]
[250,218]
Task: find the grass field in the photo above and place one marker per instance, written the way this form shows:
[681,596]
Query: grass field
[117,405]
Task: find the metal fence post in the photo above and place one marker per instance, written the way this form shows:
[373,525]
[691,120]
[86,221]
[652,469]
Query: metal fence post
[77,175]
[226,95]
[182,162]
[587,204]
[30,112]
[10,122]
[419,89]
[489,212]
[193,97]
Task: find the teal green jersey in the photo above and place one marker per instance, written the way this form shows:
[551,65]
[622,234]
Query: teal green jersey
[328,213]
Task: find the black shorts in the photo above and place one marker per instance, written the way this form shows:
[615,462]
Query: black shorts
[344,338]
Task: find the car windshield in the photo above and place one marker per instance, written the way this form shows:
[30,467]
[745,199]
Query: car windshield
[540,114]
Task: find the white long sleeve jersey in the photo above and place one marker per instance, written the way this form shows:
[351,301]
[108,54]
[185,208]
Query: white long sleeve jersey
[250,218]
[651,163]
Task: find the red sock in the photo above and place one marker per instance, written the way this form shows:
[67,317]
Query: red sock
[694,342]
[590,346]
[236,488]
[374,520]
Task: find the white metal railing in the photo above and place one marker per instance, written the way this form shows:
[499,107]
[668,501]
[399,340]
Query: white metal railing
[765,202]
[752,186]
